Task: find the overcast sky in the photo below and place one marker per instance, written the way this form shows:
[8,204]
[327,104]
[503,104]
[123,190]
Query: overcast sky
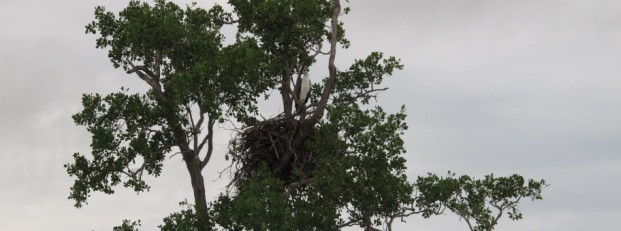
[530,87]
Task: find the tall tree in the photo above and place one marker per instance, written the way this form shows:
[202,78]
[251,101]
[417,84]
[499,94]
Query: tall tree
[194,83]
[338,162]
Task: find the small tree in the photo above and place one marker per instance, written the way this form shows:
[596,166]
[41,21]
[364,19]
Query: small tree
[336,163]
[480,203]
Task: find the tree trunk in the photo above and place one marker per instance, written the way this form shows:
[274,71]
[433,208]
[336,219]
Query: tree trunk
[198,186]
[192,162]
[284,90]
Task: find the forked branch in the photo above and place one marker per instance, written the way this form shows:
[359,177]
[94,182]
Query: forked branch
[148,76]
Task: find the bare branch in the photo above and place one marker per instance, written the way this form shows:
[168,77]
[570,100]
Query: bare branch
[353,97]
[331,66]
[318,51]
[406,212]
[468,222]
[176,153]
[201,119]
[138,172]
[228,21]
[209,139]
[349,223]
[148,76]
[285,88]
[144,69]
[501,208]
[194,128]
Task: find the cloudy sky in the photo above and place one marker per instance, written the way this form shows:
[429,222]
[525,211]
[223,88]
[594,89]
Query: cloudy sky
[530,87]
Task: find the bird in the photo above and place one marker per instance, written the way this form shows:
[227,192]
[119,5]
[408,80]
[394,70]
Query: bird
[302,90]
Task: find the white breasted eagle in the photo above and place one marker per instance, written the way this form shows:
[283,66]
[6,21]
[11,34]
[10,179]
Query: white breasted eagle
[302,90]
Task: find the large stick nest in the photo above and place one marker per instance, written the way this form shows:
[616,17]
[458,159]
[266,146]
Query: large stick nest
[265,143]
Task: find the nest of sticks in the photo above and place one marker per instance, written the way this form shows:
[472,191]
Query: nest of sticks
[265,143]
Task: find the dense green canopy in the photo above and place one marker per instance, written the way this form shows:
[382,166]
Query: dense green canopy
[338,163]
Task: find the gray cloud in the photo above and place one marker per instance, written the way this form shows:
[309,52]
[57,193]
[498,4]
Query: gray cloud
[528,87]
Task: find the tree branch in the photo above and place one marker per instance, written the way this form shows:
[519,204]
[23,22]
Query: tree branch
[321,106]
[194,129]
[349,223]
[318,51]
[209,140]
[351,98]
[144,69]
[406,212]
[232,21]
[307,125]
[148,76]
[138,172]
[285,88]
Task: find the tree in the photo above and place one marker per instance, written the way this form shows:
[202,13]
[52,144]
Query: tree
[320,168]
[194,84]
[476,200]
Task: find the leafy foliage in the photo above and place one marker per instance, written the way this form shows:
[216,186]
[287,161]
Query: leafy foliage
[124,127]
[476,200]
[186,220]
[361,80]
[127,226]
[355,148]
[354,175]
[141,29]
[259,205]
[189,71]
[373,176]
[288,29]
